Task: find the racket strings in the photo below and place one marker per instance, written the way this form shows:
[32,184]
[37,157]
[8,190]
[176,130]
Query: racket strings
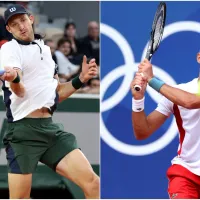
[158,32]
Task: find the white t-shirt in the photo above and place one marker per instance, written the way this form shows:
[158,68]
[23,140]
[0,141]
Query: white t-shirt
[38,70]
[65,66]
[188,122]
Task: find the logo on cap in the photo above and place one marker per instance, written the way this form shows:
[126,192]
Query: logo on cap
[12,9]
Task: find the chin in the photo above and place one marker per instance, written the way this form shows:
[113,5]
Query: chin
[25,38]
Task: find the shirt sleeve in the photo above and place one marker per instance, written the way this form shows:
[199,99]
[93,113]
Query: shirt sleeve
[10,56]
[165,106]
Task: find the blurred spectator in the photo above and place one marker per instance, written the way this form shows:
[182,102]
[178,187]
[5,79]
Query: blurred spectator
[90,43]
[70,33]
[4,34]
[23,3]
[52,46]
[65,68]
[93,87]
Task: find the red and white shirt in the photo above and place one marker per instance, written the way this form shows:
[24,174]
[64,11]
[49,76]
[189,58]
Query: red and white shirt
[188,122]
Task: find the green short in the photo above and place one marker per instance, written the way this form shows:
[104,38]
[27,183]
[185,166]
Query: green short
[31,140]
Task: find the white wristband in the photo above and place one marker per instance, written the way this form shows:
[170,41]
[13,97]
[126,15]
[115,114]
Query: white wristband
[137,105]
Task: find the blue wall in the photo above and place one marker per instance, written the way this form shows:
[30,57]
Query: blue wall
[126,170]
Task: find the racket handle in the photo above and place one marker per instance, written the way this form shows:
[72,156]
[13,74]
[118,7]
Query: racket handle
[148,55]
[2,71]
[137,88]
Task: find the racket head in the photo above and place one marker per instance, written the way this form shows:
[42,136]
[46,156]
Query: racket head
[157,30]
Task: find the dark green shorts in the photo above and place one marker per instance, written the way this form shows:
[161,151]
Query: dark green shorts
[28,141]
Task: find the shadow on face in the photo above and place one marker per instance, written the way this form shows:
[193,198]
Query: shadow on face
[20,26]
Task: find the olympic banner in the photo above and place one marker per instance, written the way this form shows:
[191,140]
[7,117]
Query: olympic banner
[131,168]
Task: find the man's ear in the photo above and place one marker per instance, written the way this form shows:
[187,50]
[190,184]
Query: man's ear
[32,19]
[8,29]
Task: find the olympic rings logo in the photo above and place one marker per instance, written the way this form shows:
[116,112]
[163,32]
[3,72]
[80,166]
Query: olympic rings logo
[127,70]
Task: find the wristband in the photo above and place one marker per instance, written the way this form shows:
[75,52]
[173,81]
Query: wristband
[76,83]
[17,79]
[156,84]
[137,105]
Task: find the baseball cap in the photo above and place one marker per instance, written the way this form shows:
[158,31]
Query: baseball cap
[14,10]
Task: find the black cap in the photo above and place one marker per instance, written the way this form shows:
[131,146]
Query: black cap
[14,10]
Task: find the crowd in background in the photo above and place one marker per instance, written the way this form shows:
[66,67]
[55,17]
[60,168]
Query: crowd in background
[67,49]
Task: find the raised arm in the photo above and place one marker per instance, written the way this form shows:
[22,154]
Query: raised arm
[11,61]
[143,126]
[177,96]
[14,77]
[180,97]
[68,88]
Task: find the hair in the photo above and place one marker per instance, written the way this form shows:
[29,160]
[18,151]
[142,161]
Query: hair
[48,40]
[67,25]
[39,37]
[62,41]
[28,14]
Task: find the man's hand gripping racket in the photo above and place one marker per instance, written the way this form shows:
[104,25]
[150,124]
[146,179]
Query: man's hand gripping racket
[156,34]
[8,74]
[2,71]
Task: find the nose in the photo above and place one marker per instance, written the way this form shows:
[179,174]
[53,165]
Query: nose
[21,27]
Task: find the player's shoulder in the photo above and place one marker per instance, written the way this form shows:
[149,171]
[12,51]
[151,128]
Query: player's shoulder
[187,84]
[10,45]
[40,41]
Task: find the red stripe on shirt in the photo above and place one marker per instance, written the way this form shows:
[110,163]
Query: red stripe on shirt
[179,123]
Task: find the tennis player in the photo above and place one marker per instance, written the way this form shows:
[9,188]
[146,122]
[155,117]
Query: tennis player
[31,93]
[182,101]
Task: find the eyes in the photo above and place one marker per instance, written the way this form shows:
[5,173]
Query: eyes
[23,19]
[15,24]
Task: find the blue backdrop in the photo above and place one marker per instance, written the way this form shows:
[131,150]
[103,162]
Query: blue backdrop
[128,171]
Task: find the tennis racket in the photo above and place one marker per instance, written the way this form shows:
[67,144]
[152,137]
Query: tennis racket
[156,34]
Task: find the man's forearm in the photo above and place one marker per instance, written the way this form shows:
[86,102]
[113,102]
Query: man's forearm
[144,126]
[65,90]
[177,96]
[180,97]
[18,89]
[140,125]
